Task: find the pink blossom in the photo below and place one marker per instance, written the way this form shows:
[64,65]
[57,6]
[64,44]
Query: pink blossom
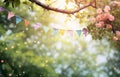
[100,24]
[107,8]
[115,38]
[106,16]
[116,3]
[118,33]
[111,18]
[108,26]
[99,11]
[99,17]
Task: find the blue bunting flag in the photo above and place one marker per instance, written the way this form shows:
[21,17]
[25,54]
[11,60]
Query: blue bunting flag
[18,19]
[78,32]
[55,31]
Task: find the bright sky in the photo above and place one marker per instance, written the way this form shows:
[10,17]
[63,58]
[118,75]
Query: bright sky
[63,21]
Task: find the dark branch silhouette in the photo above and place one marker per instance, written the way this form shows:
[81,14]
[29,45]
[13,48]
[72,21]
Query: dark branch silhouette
[63,10]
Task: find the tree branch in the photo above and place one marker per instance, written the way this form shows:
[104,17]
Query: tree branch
[62,10]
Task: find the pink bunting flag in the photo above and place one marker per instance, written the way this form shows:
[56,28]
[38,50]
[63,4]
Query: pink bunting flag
[85,31]
[70,32]
[37,25]
[10,15]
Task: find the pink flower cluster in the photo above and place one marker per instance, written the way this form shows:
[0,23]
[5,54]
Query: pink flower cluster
[103,17]
[116,32]
[116,3]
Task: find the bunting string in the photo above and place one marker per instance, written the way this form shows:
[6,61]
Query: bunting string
[36,26]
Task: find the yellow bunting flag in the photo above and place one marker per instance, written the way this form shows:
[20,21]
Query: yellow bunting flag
[26,22]
[62,32]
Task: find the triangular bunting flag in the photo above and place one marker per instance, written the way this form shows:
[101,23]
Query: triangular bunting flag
[78,32]
[26,22]
[85,31]
[46,29]
[18,19]
[10,15]
[70,32]
[62,32]
[55,31]
[1,9]
[37,25]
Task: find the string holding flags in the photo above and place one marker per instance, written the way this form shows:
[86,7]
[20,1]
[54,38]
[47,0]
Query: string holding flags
[70,32]
[18,19]
[36,26]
